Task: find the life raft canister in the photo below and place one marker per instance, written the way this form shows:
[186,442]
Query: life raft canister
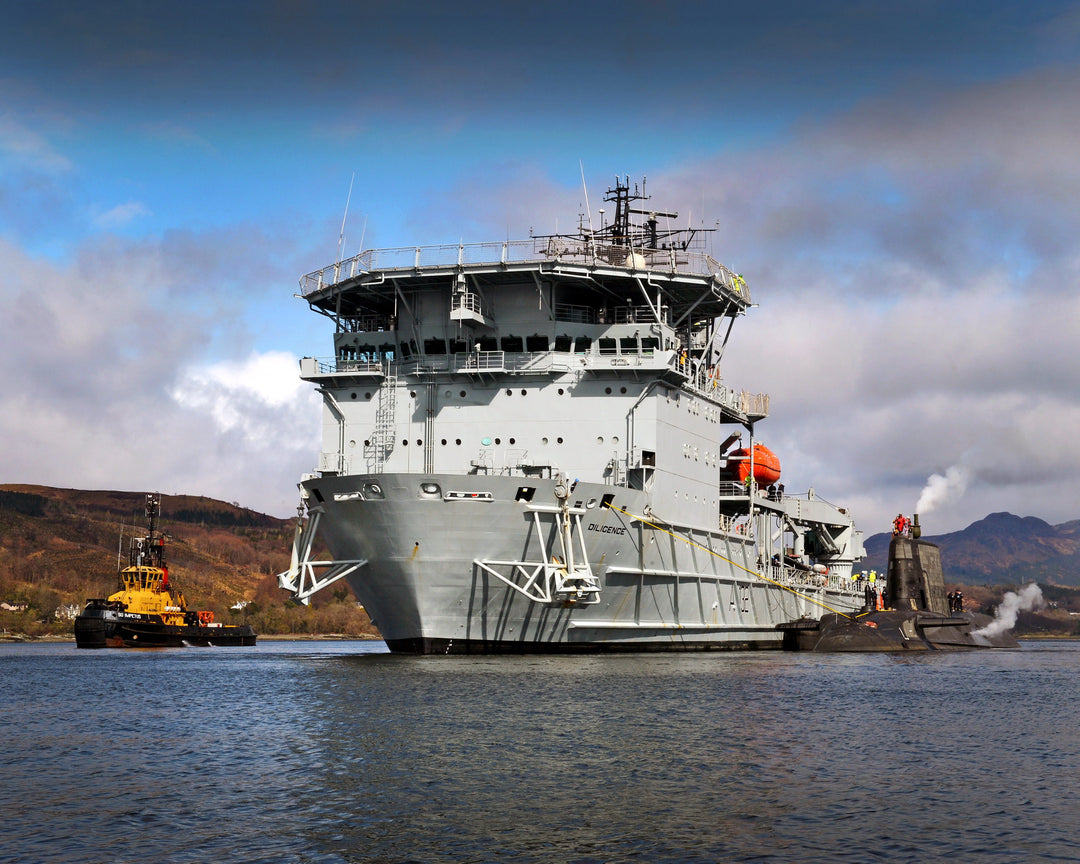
[766,465]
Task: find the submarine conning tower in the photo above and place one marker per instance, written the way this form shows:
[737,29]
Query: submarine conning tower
[917,617]
[915,579]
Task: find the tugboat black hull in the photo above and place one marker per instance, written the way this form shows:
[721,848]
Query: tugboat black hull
[110,628]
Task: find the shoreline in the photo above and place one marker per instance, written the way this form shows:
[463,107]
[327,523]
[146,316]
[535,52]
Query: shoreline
[22,638]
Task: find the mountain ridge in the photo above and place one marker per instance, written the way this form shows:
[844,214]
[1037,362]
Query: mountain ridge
[999,549]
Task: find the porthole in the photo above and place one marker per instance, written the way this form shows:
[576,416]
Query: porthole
[367,395]
[498,441]
[412,394]
[462,394]
[607,390]
[543,440]
[404,442]
[419,443]
[509,392]
[373,491]
[523,392]
[457,441]
[622,389]
[561,391]
[600,439]
[352,395]
[367,442]
[590,504]
[443,442]
[558,440]
[511,440]
[352,443]
[448,394]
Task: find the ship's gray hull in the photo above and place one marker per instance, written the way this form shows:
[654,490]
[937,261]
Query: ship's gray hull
[460,569]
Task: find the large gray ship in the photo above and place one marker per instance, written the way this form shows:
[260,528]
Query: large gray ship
[528,446]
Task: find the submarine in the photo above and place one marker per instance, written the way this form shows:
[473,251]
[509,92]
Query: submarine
[918,617]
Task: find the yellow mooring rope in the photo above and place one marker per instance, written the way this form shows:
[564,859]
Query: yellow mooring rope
[755,573]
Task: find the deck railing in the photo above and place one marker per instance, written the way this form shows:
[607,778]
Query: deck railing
[569,250]
[703,383]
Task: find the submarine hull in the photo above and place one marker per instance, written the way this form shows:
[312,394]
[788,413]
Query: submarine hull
[894,630]
[919,619]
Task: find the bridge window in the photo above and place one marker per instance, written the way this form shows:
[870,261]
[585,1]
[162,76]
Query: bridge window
[564,343]
[607,346]
[513,344]
[536,342]
[434,346]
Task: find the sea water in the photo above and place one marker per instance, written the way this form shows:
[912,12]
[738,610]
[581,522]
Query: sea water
[340,752]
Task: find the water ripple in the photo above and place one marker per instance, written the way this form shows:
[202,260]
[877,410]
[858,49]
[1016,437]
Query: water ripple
[340,753]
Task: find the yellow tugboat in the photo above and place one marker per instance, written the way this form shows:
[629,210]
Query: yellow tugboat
[146,612]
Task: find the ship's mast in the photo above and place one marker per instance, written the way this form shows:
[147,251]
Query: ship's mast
[622,232]
[149,551]
[153,505]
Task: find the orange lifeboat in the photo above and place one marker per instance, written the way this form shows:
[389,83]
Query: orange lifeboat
[766,465]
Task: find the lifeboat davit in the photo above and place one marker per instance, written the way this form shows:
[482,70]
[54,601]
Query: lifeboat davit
[766,465]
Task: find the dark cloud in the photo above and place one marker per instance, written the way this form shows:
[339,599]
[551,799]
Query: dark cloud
[570,58]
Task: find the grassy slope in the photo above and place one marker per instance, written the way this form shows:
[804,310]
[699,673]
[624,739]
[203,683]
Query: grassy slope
[59,546]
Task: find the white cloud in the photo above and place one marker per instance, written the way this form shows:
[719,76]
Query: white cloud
[246,397]
[26,148]
[109,381]
[120,215]
[916,267]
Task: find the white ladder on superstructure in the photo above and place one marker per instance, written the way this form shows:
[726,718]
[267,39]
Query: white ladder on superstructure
[382,440]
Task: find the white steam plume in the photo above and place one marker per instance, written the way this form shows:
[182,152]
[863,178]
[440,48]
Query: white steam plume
[1012,604]
[941,488]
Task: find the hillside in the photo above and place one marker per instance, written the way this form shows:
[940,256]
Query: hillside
[60,546]
[1001,549]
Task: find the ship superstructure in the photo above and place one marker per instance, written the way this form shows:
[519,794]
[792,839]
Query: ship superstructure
[530,446]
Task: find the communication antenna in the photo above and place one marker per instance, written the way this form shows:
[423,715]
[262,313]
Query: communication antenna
[363,231]
[581,165]
[341,236]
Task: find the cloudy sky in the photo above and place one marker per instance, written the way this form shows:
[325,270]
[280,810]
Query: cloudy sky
[898,182]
